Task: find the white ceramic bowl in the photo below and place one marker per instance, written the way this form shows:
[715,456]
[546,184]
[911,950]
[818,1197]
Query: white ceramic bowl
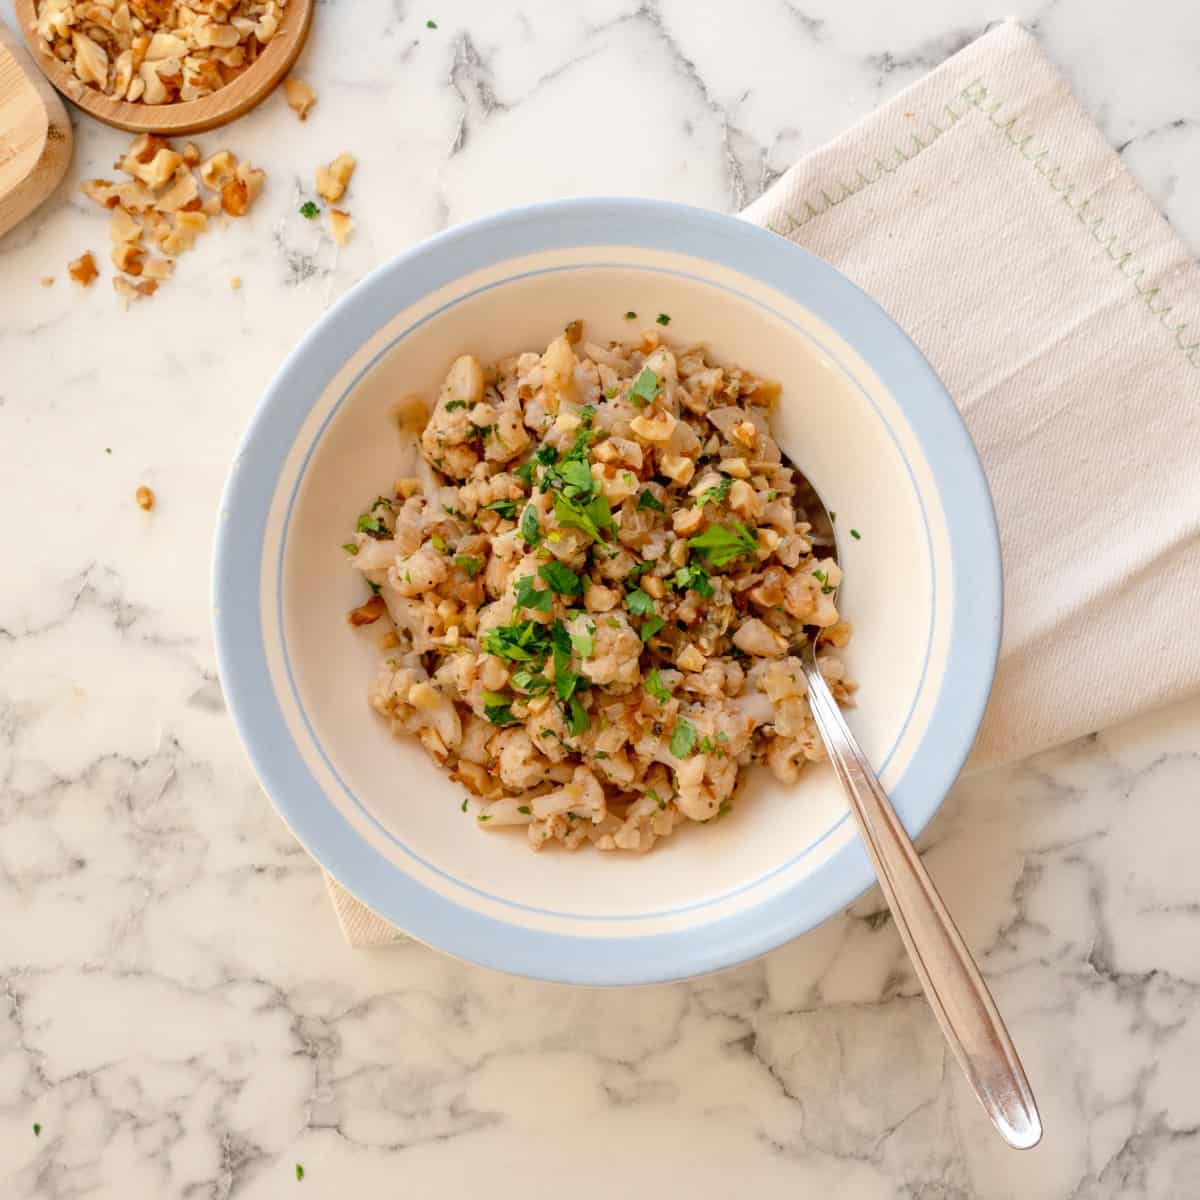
[862,414]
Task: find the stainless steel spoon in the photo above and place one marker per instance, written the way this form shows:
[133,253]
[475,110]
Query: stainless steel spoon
[953,985]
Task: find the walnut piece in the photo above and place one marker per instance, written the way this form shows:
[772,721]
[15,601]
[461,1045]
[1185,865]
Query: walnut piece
[300,96]
[333,179]
[145,498]
[341,225]
[83,269]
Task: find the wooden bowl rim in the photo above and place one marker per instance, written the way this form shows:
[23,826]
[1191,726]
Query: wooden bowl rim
[191,116]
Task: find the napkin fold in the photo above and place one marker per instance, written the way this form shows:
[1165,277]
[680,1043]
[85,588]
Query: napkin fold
[985,211]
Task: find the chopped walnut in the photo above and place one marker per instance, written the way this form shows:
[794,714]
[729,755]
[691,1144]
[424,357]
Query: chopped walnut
[47,281]
[183,234]
[218,170]
[158,268]
[333,179]
[300,96]
[157,51]
[83,269]
[236,282]
[145,498]
[341,225]
[368,613]
[128,258]
[191,155]
[123,228]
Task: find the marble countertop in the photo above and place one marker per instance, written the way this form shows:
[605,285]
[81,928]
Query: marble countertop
[180,1017]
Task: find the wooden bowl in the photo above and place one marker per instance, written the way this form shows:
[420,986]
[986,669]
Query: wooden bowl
[222,106]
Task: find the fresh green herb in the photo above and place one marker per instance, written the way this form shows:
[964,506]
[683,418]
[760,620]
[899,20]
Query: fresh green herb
[375,587]
[662,319]
[497,708]
[662,804]
[639,603]
[645,386]
[655,687]
[439,543]
[524,809]
[706,745]
[533,598]
[721,544]
[695,578]
[855,534]
[722,736]
[716,495]
[37,1130]
[771,495]
[583,644]
[464,805]
[828,590]
[577,719]
[484,817]
[469,563]
[299,1172]
[350,547]
[573,477]
[370,524]
[683,740]
[523,641]
[526,681]
[453,404]
[725,809]
[530,529]
[525,473]
[548,733]
[650,626]
[485,431]
[820,575]
[610,393]
[592,518]
[430,24]
[107,449]
[309,209]
[546,455]
[647,499]
[638,570]
[628,478]
[832,515]
[506,508]
[631,315]
[561,579]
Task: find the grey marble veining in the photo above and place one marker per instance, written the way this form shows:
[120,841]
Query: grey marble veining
[179,1015]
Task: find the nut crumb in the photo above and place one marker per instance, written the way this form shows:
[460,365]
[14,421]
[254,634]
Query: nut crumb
[300,96]
[236,282]
[47,281]
[368,613]
[341,225]
[83,269]
[333,179]
[145,498]
[191,154]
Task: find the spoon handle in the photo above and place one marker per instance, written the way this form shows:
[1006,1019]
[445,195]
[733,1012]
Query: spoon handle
[953,985]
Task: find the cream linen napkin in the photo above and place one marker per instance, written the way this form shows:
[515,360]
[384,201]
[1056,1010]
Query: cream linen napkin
[984,210]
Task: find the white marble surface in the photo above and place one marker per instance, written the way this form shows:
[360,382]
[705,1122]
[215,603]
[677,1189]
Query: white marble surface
[180,1015]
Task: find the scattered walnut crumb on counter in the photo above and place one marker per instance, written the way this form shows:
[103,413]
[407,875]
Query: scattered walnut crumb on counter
[341,225]
[83,269]
[47,281]
[300,96]
[145,498]
[333,179]
[236,283]
[164,204]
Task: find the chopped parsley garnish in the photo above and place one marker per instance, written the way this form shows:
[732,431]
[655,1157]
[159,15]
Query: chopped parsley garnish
[631,315]
[650,627]
[695,578]
[524,809]
[771,495]
[350,547]
[663,319]
[828,590]
[639,603]
[439,543]
[610,393]
[561,578]
[37,1130]
[523,641]
[546,455]
[725,808]
[506,508]
[372,526]
[820,575]
[497,708]
[469,563]
[583,644]
[855,534]
[530,529]
[577,719]
[683,740]
[647,499]
[484,817]
[645,386]
[592,518]
[525,680]
[655,687]
[464,805]
[716,495]
[533,598]
[310,209]
[706,745]
[453,404]
[299,1172]
[375,587]
[662,804]
[722,736]
[430,24]
[524,473]
[721,544]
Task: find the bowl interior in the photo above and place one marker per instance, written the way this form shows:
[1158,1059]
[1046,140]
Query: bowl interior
[826,422]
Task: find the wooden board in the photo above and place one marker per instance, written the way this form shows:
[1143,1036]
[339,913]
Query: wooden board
[35,135]
[231,101]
